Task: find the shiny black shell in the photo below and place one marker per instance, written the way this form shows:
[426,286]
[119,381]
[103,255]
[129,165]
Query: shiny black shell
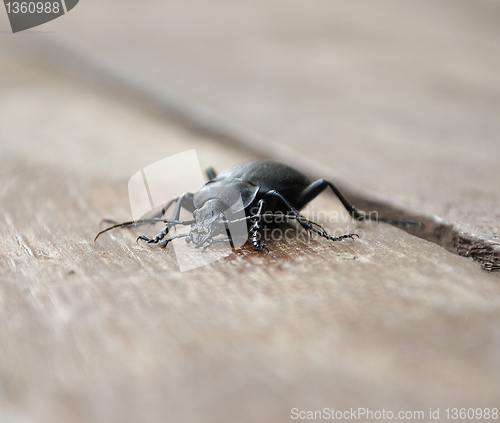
[252,180]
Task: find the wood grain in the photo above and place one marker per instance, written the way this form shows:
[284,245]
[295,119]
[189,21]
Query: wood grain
[343,90]
[111,331]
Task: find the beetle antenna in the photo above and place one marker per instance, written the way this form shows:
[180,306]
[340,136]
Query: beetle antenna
[134,223]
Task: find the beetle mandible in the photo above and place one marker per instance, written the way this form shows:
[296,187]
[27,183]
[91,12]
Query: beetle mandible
[267,189]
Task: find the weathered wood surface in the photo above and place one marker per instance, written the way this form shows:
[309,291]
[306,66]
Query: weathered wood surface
[112,332]
[373,85]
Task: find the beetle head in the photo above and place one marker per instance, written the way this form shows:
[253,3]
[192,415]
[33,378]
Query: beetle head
[208,223]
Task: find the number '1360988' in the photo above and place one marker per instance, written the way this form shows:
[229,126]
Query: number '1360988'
[32,7]
[471,413]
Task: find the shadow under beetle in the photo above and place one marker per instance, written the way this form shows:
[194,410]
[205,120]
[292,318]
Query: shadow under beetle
[267,189]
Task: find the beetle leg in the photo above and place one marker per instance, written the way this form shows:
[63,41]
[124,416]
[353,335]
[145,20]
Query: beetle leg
[254,229]
[165,230]
[313,190]
[324,234]
[162,243]
[186,201]
[134,223]
[308,225]
[210,173]
[183,201]
[256,242]
[157,238]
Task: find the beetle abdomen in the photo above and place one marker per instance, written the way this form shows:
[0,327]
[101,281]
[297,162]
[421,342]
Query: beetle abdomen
[266,174]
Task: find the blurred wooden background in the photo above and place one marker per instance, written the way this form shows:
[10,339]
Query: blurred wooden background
[397,101]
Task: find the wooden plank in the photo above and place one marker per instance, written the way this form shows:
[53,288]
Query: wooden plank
[379,85]
[112,332]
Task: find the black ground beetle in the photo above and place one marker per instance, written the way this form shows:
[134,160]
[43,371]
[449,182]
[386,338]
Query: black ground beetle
[266,189]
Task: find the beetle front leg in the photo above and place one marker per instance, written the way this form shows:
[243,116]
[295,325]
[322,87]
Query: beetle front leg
[157,238]
[161,235]
[183,201]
